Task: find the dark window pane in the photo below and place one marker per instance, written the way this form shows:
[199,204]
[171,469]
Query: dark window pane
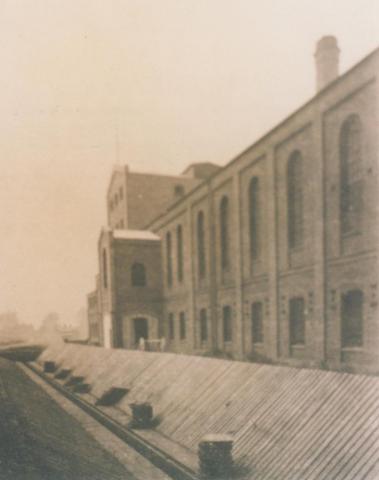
[201,244]
[171,326]
[295,200]
[203,325]
[169,259]
[224,233]
[182,325]
[352,319]
[227,323]
[179,244]
[254,218]
[138,275]
[257,322]
[351,189]
[297,321]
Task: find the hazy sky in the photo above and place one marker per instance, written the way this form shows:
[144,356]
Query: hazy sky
[180,81]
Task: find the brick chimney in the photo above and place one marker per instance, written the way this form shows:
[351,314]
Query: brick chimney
[327,61]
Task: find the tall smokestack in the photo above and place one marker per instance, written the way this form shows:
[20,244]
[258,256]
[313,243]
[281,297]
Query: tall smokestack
[327,61]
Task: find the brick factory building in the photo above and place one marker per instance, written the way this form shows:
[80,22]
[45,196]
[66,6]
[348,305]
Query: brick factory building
[273,257]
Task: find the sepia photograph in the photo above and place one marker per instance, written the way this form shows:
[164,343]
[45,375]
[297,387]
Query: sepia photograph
[189,243]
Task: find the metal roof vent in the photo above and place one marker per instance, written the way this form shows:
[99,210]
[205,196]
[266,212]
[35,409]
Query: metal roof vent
[142,415]
[63,374]
[81,388]
[72,381]
[112,396]
[215,456]
[49,366]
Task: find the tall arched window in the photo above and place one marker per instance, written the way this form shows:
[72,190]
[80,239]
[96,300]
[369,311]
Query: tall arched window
[254,218]
[201,244]
[169,259]
[138,275]
[105,269]
[179,246]
[352,319]
[351,175]
[295,200]
[224,233]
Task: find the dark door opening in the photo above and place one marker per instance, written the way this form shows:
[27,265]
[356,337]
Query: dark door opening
[141,329]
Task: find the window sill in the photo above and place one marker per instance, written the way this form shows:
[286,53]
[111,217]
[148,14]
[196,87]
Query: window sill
[297,249]
[258,344]
[298,346]
[353,233]
[352,349]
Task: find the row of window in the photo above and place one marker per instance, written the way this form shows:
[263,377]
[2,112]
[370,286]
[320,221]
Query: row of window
[118,196]
[182,326]
[203,325]
[351,205]
[351,319]
[351,322]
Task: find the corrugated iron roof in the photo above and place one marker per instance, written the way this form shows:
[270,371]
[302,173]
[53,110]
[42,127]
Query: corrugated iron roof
[287,423]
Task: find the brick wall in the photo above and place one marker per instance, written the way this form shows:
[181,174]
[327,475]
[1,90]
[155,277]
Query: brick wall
[320,265]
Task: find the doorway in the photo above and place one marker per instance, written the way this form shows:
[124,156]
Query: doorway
[141,329]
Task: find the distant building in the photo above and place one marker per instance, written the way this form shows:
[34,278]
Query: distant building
[273,257]
[12,331]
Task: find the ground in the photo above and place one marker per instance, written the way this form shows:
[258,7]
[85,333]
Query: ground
[40,441]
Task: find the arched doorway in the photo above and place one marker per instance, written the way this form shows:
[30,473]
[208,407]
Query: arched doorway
[141,329]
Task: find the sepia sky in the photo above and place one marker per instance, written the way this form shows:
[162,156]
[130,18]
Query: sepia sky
[175,81]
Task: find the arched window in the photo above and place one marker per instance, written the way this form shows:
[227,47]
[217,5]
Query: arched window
[297,321]
[203,325]
[351,175]
[105,269]
[254,218]
[224,233]
[169,259]
[201,244]
[138,275]
[257,322]
[179,246]
[227,323]
[295,200]
[352,319]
